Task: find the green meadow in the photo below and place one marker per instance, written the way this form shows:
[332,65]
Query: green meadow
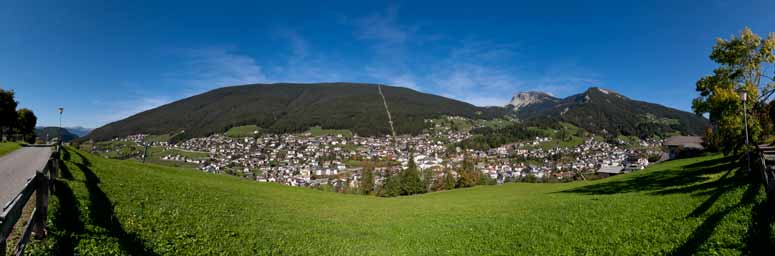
[318,131]
[7,147]
[243,131]
[693,206]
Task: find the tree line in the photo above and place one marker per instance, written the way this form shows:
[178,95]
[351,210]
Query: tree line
[15,124]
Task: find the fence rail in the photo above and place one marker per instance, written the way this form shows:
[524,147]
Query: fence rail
[39,185]
[766,167]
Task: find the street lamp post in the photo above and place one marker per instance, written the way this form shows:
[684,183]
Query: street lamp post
[61,109]
[744,97]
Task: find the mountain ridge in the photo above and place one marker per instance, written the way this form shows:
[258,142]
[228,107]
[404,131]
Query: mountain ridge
[292,107]
[607,111]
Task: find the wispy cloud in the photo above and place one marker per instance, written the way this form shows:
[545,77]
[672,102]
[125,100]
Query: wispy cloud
[208,68]
[131,105]
[382,27]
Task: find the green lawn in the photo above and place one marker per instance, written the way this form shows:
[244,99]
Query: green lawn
[7,147]
[158,138]
[244,131]
[699,205]
[317,131]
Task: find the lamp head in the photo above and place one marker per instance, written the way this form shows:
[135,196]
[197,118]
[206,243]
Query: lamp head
[743,94]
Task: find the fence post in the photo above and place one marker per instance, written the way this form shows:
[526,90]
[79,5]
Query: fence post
[41,206]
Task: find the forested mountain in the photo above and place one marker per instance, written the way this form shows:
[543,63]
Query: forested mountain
[52,132]
[603,111]
[78,130]
[282,108]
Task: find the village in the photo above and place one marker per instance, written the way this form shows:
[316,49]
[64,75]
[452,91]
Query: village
[338,160]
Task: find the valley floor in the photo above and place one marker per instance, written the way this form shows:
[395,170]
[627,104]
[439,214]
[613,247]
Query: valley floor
[691,206]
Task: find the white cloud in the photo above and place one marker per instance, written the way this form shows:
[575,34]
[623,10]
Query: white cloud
[117,110]
[209,68]
[382,27]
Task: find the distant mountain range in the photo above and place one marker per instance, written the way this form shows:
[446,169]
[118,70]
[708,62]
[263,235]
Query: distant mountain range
[53,132]
[78,130]
[281,108]
[604,111]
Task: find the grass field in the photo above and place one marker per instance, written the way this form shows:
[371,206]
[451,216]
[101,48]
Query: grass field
[243,131]
[692,206]
[317,131]
[7,147]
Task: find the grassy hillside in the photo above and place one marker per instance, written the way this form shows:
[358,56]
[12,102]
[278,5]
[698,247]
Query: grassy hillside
[283,108]
[699,205]
[7,147]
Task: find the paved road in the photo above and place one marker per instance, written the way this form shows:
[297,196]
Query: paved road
[18,166]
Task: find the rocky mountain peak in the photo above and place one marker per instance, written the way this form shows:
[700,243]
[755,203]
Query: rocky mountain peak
[524,99]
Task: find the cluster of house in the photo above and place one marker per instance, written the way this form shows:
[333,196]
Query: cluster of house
[302,159]
[306,160]
[592,156]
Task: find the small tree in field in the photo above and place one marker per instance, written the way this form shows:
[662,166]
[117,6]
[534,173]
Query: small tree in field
[744,61]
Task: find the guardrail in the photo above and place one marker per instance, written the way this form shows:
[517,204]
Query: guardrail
[766,164]
[40,185]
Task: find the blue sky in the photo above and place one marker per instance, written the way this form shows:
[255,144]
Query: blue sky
[106,60]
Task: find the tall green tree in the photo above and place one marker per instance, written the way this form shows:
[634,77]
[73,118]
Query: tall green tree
[7,112]
[26,124]
[392,186]
[367,180]
[411,183]
[743,62]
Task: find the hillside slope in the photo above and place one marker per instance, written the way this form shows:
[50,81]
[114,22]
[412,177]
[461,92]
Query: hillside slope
[600,111]
[293,108]
[53,132]
[683,207]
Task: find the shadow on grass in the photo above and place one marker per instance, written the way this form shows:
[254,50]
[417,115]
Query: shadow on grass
[665,181]
[64,171]
[760,240]
[702,233]
[101,211]
[66,219]
[65,154]
[692,179]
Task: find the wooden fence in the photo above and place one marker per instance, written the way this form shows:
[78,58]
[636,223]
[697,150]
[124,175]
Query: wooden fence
[766,165]
[41,184]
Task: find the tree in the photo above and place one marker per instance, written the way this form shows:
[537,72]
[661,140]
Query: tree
[428,179]
[7,111]
[26,124]
[392,186]
[410,179]
[468,175]
[367,180]
[449,180]
[743,62]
